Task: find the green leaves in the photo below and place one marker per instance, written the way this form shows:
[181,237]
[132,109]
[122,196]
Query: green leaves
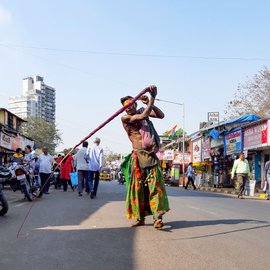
[42,132]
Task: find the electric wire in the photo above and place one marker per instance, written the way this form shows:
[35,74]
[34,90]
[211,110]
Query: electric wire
[198,57]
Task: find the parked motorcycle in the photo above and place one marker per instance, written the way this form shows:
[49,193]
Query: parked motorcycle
[121,178]
[3,203]
[5,175]
[23,180]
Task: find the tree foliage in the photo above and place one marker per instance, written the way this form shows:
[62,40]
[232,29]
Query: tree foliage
[252,97]
[177,133]
[109,157]
[42,132]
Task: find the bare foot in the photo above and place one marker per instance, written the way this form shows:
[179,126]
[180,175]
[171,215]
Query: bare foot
[158,224]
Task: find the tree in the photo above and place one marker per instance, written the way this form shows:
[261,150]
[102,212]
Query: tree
[42,132]
[252,97]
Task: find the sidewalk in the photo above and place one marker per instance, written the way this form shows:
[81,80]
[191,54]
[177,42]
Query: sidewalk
[232,191]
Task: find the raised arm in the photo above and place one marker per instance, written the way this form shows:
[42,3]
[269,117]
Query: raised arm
[155,112]
[150,110]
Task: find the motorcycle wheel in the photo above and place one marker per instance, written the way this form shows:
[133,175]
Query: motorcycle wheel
[3,205]
[27,192]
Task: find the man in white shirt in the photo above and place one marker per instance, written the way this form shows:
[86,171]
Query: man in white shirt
[81,164]
[45,163]
[96,161]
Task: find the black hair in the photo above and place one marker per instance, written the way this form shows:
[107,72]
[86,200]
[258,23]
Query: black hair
[18,150]
[28,147]
[123,99]
[85,144]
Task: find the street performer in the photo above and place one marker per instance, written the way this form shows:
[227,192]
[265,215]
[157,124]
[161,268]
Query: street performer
[146,194]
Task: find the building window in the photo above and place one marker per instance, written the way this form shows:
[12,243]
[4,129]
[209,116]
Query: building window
[10,121]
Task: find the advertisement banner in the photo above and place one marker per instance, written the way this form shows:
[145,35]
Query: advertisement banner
[178,158]
[15,143]
[168,155]
[255,136]
[233,142]
[206,149]
[12,143]
[197,150]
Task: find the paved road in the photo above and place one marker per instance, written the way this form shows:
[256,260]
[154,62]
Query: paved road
[203,231]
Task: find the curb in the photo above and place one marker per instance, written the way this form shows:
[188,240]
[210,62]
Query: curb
[232,192]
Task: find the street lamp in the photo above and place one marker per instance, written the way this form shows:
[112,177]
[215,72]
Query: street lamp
[183,143]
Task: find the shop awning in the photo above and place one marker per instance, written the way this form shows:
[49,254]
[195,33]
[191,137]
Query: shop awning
[242,119]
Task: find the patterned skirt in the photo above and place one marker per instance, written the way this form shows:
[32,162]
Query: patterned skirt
[146,194]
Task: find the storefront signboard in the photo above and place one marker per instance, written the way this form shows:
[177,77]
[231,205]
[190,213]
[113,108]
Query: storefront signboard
[15,143]
[256,136]
[178,157]
[233,142]
[12,143]
[213,117]
[168,155]
[206,149]
[5,140]
[197,150]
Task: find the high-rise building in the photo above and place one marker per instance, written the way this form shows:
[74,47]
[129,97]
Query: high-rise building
[37,100]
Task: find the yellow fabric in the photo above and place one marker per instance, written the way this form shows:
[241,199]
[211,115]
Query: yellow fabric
[17,155]
[126,102]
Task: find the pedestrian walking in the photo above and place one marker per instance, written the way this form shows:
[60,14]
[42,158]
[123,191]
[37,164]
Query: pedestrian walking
[45,163]
[242,170]
[82,168]
[56,169]
[95,162]
[190,175]
[146,194]
[267,177]
[65,170]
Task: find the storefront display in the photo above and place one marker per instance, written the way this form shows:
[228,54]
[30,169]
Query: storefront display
[233,142]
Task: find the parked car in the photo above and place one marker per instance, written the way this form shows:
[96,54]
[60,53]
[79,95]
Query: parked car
[105,174]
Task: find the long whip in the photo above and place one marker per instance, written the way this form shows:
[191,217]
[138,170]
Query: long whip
[78,144]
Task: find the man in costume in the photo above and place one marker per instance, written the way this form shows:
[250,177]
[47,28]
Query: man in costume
[146,194]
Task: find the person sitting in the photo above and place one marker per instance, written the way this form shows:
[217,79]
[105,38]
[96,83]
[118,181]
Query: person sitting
[18,156]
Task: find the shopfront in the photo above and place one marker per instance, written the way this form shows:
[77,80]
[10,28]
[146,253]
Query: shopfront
[166,160]
[9,143]
[256,147]
[177,168]
[233,145]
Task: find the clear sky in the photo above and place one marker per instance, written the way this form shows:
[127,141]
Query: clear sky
[211,47]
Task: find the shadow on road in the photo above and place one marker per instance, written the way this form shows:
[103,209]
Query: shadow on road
[255,225]
[65,231]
